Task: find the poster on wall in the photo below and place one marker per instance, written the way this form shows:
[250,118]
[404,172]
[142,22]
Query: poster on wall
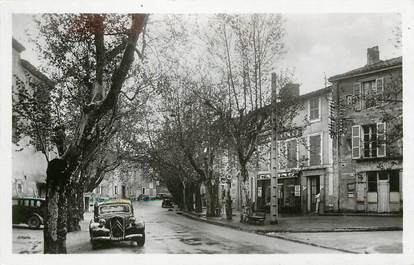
[259,192]
[297,190]
[360,190]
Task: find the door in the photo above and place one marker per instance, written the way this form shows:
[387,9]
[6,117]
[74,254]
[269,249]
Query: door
[123,191]
[383,196]
[314,189]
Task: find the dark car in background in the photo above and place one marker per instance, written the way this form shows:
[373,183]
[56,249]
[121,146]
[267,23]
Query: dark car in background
[167,203]
[114,221]
[29,211]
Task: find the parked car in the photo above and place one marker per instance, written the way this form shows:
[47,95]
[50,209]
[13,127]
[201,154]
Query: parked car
[29,211]
[114,221]
[167,203]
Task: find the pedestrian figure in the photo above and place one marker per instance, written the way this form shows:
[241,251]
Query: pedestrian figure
[318,200]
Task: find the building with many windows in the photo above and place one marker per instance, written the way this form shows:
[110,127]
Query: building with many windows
[367,147]
[304,166]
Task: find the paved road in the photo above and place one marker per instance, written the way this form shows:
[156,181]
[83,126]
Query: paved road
[168,232]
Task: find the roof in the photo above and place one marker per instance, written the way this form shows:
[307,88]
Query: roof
[318,92]
[380,66]
[116,201]
[17,45]
[34,71]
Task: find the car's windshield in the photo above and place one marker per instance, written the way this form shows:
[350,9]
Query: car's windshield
[118,208]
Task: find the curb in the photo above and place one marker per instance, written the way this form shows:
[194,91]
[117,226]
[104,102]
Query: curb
[266,232]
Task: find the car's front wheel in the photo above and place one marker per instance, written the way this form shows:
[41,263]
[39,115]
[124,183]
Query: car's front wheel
[94,244]
[34,222]
[141,241]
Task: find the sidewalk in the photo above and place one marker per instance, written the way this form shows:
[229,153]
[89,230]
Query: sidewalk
[308,223]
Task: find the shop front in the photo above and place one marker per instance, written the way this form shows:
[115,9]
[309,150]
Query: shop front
[289,193]
[263,193]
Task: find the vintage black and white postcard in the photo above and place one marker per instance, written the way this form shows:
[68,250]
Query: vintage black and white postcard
[134,131]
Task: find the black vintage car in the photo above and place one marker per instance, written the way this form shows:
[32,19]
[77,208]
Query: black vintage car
[167,203]
[29,211]
[114,221]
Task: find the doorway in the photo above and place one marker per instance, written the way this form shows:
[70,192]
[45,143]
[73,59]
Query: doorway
[313,190]
[383,196]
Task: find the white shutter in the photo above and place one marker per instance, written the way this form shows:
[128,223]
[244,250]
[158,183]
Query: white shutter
[357,96]
[356,141]
[381,140]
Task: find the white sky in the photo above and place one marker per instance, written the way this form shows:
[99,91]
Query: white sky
[316,43]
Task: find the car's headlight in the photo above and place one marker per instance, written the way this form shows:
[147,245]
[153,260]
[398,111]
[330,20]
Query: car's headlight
[140,224]
[102,222]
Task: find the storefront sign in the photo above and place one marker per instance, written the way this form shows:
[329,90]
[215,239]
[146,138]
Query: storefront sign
[297,190]
[287,175]
[263,176]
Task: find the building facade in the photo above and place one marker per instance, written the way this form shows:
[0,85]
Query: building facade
[305,165]
[28,163]
[367,146]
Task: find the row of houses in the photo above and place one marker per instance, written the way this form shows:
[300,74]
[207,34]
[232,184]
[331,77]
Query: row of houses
[345,149]
[29,163]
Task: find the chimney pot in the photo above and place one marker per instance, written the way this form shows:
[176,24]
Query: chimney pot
[372,55]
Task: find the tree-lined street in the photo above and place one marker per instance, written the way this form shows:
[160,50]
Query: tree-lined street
[169,232]
[201,111]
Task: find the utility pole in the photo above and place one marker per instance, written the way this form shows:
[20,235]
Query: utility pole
[274,207]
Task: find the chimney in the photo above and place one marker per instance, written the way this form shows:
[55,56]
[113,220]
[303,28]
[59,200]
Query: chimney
[372,55]
[290,90]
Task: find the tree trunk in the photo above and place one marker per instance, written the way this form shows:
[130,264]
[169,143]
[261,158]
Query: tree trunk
[190,195]
[244,196]
[54,233]
[184,199]
[212,199]
[75,207]
[198,203]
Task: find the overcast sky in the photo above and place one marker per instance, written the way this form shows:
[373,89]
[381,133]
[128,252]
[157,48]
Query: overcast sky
[316,43]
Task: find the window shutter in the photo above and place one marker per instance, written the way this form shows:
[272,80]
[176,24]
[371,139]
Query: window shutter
[381,137]
[356,143]
[357,96]
[380,85]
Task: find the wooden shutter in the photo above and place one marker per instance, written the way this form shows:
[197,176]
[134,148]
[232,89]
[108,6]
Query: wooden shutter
[380,85]
[356,141]
[381,138]
[357,96]
[315,150]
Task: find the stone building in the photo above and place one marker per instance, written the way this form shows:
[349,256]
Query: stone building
[305,169]
[28,163]
[367,146]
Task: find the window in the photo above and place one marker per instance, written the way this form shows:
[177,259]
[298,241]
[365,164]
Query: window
[372,181]
[394,181]
[368,93]
[315,150]
[26,203]
[368,141]
[357,96]
[15,202]
[314,109]
[19,188]
[349,100]
[292,153]
[116,189]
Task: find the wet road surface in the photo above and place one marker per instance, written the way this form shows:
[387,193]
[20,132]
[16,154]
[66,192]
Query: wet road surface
[168,232]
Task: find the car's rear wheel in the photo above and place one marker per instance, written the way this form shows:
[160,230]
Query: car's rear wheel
[34,222]
[141,241]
